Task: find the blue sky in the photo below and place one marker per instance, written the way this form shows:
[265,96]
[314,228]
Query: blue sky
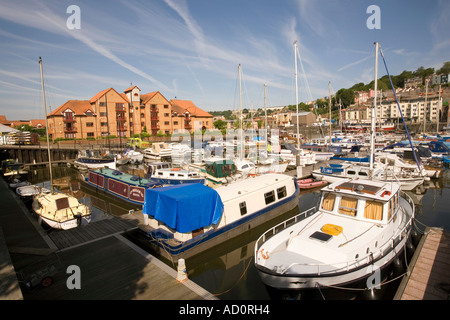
[191,49]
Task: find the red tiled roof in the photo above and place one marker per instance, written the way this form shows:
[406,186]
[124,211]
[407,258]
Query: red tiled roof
[131,88]
[4,121]
[181,106]
[147,97]
[37,123]
[103,92]
[79,107]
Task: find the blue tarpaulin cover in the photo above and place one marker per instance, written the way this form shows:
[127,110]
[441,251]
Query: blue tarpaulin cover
[184,207]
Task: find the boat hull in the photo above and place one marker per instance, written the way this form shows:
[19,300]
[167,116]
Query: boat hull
[68,224]
[298,282]
[95,163]
[310,183]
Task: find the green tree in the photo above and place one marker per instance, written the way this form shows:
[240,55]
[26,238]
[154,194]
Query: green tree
[444,69]
[220,124]
[346,96]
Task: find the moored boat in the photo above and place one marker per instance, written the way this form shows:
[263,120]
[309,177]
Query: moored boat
[87,160]
[359,228]
[184,220]
[119,185]
[310,183]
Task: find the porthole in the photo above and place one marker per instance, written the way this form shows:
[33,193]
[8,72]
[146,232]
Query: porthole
[357,256]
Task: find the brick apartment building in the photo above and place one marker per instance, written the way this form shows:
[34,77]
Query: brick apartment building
[125,114]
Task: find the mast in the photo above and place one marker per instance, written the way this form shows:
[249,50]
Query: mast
[46,126]
[329,107]
[425,107]
[265,111]
[438,111]
[372,130]
[240,115]
[296,95]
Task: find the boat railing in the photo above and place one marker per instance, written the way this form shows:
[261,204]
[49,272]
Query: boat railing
[345,265]
[281,226]
[351,264]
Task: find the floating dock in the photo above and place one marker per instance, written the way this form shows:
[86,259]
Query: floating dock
[429,277]
[110,266]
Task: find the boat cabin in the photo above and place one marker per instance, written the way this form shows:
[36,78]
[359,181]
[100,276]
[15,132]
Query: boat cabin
[220,168]
[374,202]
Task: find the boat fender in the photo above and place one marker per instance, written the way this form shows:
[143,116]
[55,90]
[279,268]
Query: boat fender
[265,256]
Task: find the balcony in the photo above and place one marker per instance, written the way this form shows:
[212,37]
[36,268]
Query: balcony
[70,130]
[121,118]
[120,107]
[69,117]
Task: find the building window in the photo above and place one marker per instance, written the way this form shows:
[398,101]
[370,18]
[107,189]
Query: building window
[103,124]
[175,123]
[166,106]
[102,114]
[166,114]
[89,124]
[166,123]
[90,134]
[142,115]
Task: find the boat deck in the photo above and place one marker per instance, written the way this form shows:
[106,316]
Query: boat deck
[127,178]
[111,267]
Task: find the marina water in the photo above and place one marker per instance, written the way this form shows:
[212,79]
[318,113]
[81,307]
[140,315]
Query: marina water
[227,270]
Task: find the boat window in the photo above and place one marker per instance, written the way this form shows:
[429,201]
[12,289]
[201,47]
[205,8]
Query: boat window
[348,206]
[160,173]
[328,201]
[362,174]
[269,197]
[281,192]
[172,174]
[374,210]
[243,208]
[351,172]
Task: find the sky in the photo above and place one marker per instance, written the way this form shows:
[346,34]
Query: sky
[191,49]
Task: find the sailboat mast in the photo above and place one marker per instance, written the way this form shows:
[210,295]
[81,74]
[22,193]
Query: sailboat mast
[296,95]
[372,130]
[241,143]
[265,111]
[329,107]
[46,124]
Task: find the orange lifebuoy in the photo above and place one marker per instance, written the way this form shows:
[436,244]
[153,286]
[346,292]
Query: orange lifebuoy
[386,193]
[176,169]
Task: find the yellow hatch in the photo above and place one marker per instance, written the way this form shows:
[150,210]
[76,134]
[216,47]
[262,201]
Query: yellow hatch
[332,229]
